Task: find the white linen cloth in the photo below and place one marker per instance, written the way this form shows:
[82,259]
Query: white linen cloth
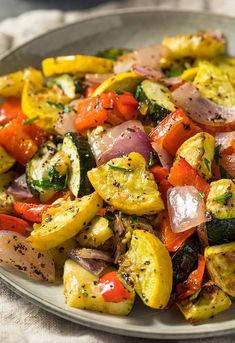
[21,321]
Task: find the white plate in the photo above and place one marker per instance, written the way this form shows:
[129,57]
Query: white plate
[120,29]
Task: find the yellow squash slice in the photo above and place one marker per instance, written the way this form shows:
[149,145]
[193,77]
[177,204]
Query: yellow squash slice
[96,234]
[198,151]
[227,65]
[189,74]
[11,85]
[126,184]
[81,290]
[125,82]
[214,84]
[6,161]
[64,221]
[76,64]
[201,44]
[148,265]
[38,101]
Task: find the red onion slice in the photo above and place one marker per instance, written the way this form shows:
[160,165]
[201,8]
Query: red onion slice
[119,141]
[65,123]
[19,188]
[224,139]
[16,251]
[201,109]
[96,78]
[228,163]
[157,75]
[95,266]
[149,73]
[149,56]
[186,208]
[93,254]
[164,156]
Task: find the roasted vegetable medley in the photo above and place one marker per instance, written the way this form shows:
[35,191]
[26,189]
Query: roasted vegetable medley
[117,176]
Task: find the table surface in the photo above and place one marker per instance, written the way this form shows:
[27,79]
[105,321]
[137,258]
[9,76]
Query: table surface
[22,322]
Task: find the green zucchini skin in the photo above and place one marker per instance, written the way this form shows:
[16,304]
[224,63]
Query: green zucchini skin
[36,170]
[185,259]
[220,231]
[153,95]
[81,160]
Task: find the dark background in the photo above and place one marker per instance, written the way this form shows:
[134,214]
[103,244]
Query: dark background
[11,8]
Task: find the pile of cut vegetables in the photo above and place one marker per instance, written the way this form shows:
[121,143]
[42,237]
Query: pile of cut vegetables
[117,176]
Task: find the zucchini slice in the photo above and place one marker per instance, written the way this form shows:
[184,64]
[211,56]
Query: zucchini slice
[67,83]
[210,301]
[221,198]
[220,266]
[36,171]
[81,290]
[221,231]
[46,172]
[81,161]
[64,220]
[156,98]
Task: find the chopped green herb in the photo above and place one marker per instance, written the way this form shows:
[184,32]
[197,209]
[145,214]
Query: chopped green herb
[52,172]
[138,92]
[202,195]
[30,120]
[217,156]
[112,53]
[109,216]
[128,170]
[195,295]
[64,108]
[80,88]
[223,173]
[174,72]
[223,198]
[134,219]
[152,159]
[119,92]
[207,163]
[44,184]
[84,293]
[59,146]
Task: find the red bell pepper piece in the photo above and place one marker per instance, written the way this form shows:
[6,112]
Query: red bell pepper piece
[194,281]
[107,107]
[31,212]
[9,110]
[13,224]
[182,174]
[90,89]
[112,289]
[21,141]
[160,173]
[174,130]
[173,241]
[163,189]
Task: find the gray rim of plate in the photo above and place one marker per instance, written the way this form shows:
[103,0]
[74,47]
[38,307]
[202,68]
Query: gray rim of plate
[49,307]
